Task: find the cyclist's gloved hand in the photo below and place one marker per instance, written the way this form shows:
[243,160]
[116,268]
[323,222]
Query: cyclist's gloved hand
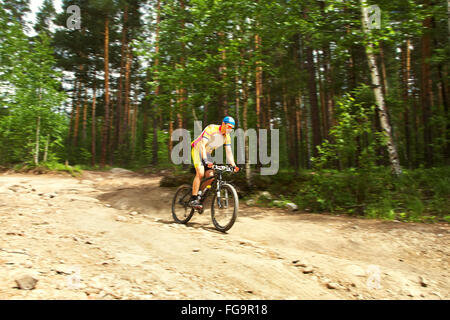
[208,163]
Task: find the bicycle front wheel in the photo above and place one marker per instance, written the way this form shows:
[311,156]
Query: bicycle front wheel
[181,212]
[224,208]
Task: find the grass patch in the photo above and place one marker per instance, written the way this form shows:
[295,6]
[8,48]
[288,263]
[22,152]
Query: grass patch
[46,167]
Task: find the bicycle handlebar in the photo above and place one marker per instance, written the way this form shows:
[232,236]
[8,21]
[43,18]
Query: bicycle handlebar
[225,168]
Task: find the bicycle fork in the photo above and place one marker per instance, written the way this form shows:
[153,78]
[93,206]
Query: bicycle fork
[219,202]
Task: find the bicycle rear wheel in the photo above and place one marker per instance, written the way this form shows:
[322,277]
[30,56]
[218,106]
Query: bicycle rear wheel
[181,212]
[224,211]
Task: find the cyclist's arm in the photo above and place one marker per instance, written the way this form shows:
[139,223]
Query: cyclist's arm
[230,157]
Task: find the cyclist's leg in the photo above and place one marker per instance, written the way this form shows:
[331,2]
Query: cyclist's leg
[199,171]
[208,173]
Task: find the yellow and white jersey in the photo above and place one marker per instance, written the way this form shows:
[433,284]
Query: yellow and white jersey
[213,138]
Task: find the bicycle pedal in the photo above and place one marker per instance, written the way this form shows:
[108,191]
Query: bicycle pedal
[196,206]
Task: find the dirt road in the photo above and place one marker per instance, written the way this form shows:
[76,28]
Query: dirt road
[111,236]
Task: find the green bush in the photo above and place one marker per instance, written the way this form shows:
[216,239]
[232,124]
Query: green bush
[418,195]
[55,166]
[45,167]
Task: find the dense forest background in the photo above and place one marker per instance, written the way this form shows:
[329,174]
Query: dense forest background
[362,109]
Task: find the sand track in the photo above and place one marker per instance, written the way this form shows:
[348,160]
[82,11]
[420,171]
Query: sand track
[111,236]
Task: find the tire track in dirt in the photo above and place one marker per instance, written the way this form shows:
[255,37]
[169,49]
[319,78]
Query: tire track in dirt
[119,231]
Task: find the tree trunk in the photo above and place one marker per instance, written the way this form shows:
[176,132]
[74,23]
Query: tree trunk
[443,98]
[323,105]
[406,75]
[77,117]
[182,91]
[298,130]
[287,128]
[352,74]
[126,111]
[269,108]
[36,150]
[258,83]
[106,118]
[85,107]
[308,132]
[237,100]
[426,89]
[376,82]
[315,112]
[328,91]
[170,129]
[146,109]
[445,94]
[111,130]
[130,117]
[244,118]
[74,106]
[47,141]
[295,126]
[179,108]
[351,60]
[415,125]
[223,75]
[298,117]
[329,87]
[155,114]
[134,123]
[245,125]
[123,61]
[93,125]
[314,105]
[383,71]
[155,140]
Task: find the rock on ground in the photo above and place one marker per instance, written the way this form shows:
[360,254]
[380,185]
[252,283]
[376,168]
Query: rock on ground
[120,171]
[26,283]
[291,206]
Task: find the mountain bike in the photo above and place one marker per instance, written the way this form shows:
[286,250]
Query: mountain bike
[225,201]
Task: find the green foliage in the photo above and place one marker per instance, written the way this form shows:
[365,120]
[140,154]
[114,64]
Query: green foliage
[352,138]
[45,167]
[163,154]
[29,96]
[56,166]
[418,195]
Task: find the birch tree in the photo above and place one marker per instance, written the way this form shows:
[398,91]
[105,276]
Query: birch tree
[377,90]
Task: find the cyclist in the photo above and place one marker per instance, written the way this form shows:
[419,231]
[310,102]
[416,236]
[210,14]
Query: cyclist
[211,138]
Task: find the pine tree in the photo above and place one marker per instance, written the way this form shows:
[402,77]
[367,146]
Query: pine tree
[44,17]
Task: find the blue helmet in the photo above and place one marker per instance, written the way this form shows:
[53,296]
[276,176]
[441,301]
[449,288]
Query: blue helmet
[229,120]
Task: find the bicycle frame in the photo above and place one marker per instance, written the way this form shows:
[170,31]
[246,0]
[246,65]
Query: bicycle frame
[218,181]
